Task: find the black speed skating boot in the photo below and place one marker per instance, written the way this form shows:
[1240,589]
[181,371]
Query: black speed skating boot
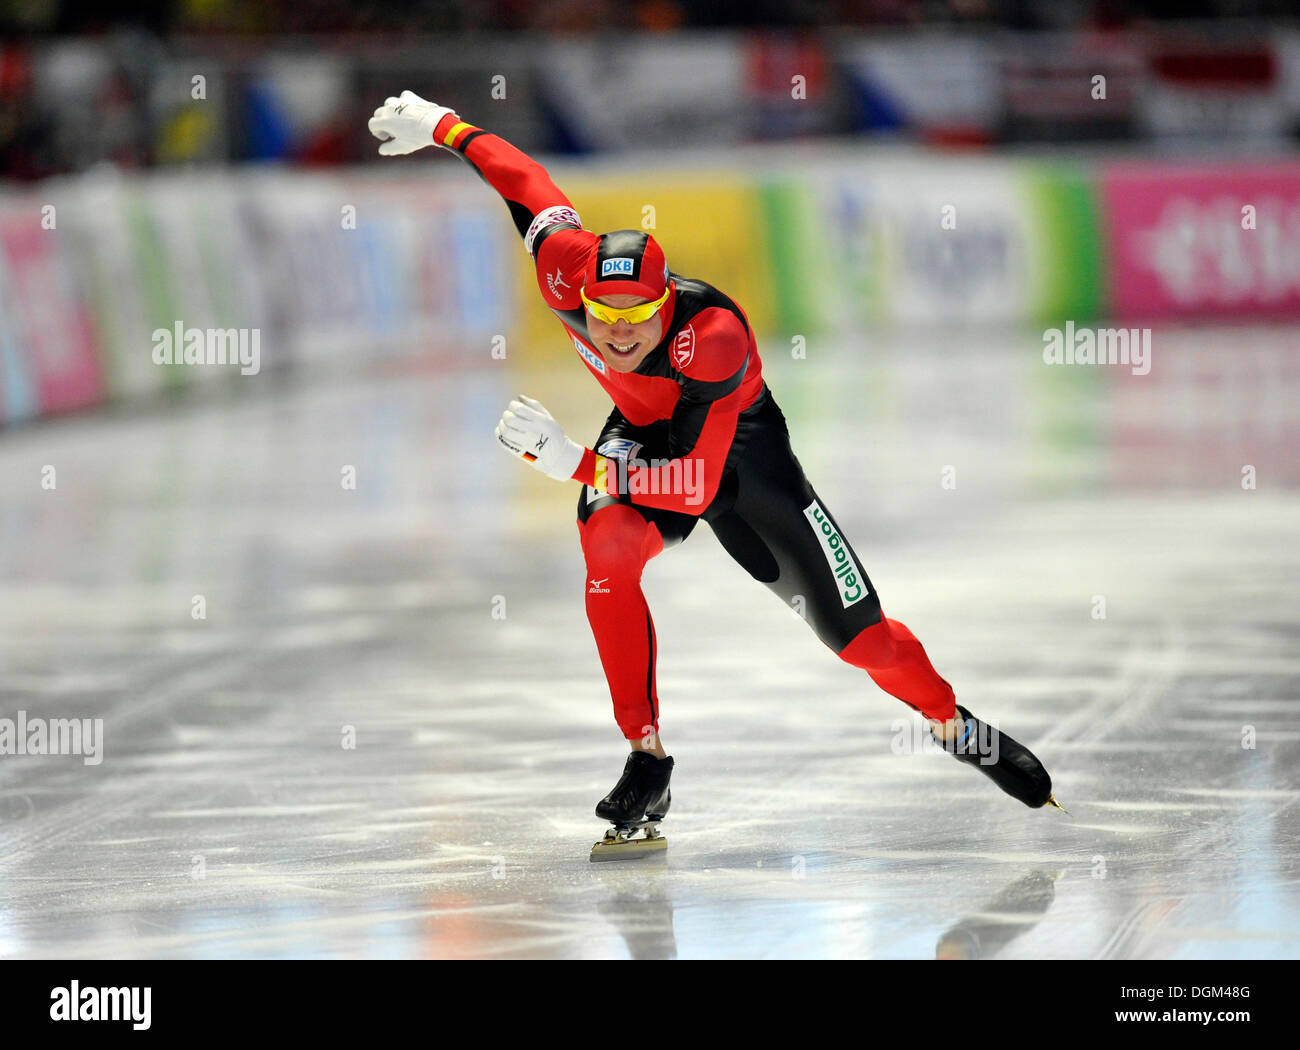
[638,802]
[641,792]
[1009,764]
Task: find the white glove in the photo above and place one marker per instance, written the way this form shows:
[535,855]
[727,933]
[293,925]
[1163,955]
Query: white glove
[528,431]
[405,124]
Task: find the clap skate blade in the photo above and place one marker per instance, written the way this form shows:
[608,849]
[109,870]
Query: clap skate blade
[621,842]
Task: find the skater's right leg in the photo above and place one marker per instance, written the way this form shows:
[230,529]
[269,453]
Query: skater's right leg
[616,543]
[618,540]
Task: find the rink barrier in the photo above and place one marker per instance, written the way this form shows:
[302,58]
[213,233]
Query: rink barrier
[329,271]
[347,269]
[1199,241]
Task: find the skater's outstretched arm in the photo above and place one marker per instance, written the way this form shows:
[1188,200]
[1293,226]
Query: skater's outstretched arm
[711,354]
[543,215]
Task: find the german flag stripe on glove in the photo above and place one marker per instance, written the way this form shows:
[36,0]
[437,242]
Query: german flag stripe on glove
[458,136]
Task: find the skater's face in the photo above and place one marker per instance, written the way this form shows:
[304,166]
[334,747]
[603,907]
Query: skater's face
[623,345]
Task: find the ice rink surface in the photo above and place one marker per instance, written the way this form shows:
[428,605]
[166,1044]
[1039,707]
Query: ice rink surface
[1075,547]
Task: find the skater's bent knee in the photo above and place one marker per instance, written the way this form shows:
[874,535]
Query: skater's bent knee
[873,646]
[617,536]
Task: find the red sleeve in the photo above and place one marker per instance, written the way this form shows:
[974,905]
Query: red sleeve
[547,221]
[711,355]
[562,257]
[535,202]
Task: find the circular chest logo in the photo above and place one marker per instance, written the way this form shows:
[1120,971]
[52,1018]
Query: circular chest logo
[683,348]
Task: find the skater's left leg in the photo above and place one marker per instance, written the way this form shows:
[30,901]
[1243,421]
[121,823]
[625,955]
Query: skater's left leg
[896,662]
[784,548]
[774,524]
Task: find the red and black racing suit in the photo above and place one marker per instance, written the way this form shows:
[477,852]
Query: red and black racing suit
[695,433]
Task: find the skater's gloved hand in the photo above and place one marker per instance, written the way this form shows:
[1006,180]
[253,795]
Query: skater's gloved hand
[528,431]
[405,123]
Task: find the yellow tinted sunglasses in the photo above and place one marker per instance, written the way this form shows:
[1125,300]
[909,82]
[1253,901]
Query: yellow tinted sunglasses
[632,314]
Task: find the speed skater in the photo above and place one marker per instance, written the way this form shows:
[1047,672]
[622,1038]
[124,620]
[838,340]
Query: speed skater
[695,433]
